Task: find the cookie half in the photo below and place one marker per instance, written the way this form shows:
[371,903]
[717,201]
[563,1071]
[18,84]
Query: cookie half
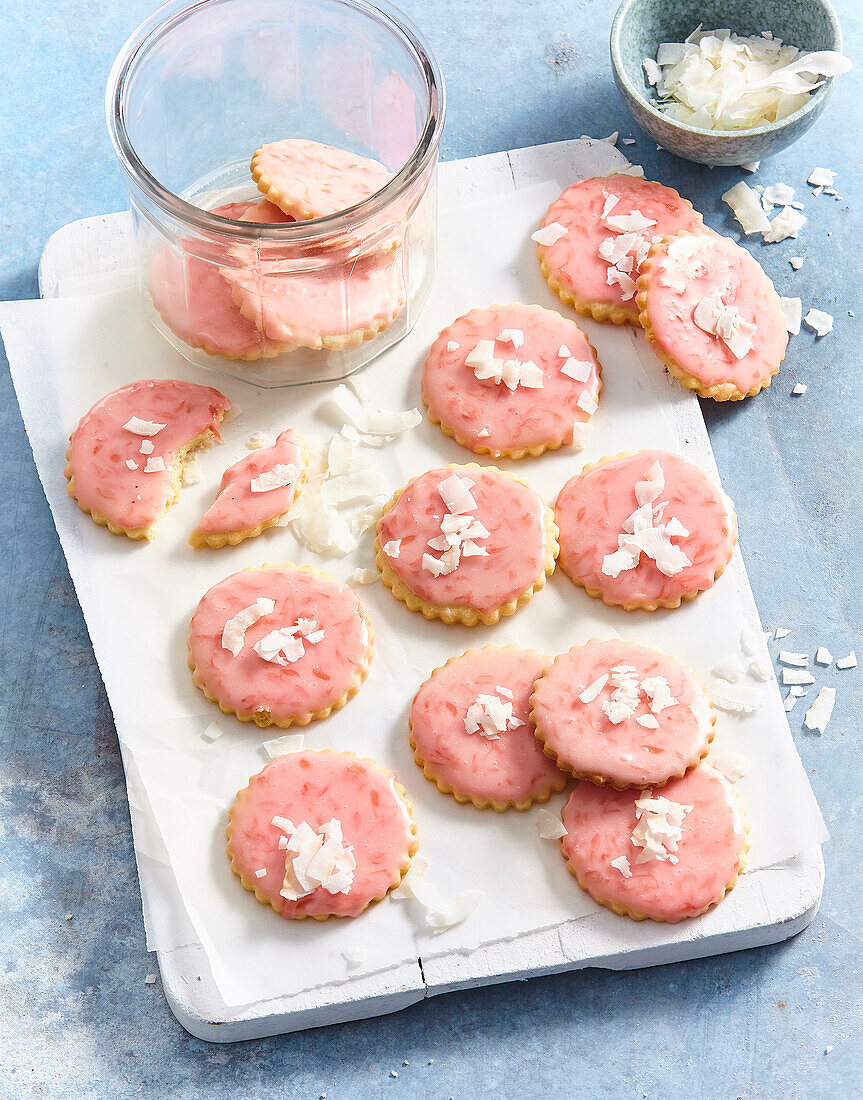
[279,645]
[321,834]
[712,315]
[472,734]
[512,380]
[596,236]
[644,529]
[125,458]
[621,714]
[666,857]
[466,544]
[254,493]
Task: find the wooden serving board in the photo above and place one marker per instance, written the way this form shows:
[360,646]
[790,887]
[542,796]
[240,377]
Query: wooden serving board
[767,906]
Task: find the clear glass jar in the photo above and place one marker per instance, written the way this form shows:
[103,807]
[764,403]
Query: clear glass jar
[194,92]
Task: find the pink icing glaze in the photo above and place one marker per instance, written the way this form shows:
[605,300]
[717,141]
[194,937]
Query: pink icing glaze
[100,447]
[315,787]
[599,825]
[592,507]
[626,754]
[314,180]
[512,768]
[514,516]
[301,308]
[574,259]
[237,508]
[195,301]
[247,683]
[513,419]
[708,265]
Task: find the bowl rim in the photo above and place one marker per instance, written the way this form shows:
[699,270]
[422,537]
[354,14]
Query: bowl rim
[173,13]
[815,98]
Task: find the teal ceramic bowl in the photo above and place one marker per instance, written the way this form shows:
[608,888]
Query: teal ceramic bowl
[639,28]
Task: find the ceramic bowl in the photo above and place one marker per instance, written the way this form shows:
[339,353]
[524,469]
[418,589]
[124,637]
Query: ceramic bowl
[640,26]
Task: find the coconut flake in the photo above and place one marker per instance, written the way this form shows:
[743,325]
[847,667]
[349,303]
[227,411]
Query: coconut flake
[155,464]
[587,403]
[490,716]
[392,549]
[549,826]
[549,234]
[787,223]
[143,427]
[781,632]
[747,208]
[847,662]
[374,422]
[751,166]
[778,194]
[736,700]
[281,746]
[455,494]
[792,308]
[819,713]
[576,369]
[729,669]
[453,345]
[513,336]
[355,956]
[725,322]
[819,321]
[279,477]
[635,222]
[823,656]
[821,177]
[659,829]
[234,630]
[798,660]
[649,721]
[213,732]
[131,464]
[439,915]
[761,669]
[797,676]
[796,262]
[317,859]
[799,389]
[592,690]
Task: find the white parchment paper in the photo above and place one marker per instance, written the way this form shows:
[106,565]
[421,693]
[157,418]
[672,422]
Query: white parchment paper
[138,598]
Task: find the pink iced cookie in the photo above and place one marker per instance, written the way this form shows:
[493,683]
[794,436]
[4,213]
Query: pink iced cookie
[195,301]
[279,645]
[686,530]
[471,730]
[466,544]
[254,493]
[597,235]
[712,315]
[336,307]
[686,875]
[348,812]
[125,458]
[622,714]
[309,180]
[512,380]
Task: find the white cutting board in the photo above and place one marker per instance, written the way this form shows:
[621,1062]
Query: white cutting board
[767,905]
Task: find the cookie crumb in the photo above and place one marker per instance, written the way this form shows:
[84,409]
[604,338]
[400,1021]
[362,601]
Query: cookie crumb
[68,916]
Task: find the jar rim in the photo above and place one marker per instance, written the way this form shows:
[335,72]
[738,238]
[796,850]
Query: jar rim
[175,12]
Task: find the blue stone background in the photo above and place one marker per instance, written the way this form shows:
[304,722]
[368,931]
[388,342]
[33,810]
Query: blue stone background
[77,1018]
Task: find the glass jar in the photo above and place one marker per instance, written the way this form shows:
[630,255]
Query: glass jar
[194,92]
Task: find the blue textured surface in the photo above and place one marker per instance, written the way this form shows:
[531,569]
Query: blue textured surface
[77,1017]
